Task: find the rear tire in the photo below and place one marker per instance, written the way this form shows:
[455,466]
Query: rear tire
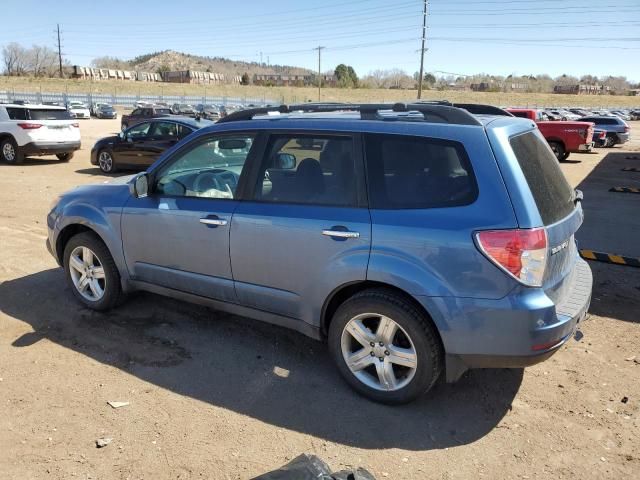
[65,157]
[394,363]
[92,264]
[10,152]
[610,141]
[558,150]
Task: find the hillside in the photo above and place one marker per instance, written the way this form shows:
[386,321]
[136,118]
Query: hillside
[171,60]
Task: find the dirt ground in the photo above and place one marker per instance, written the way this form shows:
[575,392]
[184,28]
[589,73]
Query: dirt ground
[221,397]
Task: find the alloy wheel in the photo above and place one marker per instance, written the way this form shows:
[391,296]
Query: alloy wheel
[9,152]
[379,352]
[105,161]
[87,273]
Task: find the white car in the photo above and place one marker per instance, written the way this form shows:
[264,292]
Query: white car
[37,130]
[79,110]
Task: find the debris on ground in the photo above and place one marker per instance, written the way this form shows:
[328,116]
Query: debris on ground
[118,404]
[103,442]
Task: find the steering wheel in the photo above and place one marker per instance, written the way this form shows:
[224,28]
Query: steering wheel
[214,179]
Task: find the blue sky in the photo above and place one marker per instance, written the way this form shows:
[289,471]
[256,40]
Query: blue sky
[493,36]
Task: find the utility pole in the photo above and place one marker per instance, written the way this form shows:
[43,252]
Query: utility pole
[319,48]
[59,50]
[424,35]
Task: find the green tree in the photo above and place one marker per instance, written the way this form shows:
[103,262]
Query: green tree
[346,76]
[429,79]
[245,79]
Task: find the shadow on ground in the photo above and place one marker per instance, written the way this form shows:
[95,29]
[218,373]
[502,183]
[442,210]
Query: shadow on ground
[33,161]
[268,373]
[97,171]
[612,225]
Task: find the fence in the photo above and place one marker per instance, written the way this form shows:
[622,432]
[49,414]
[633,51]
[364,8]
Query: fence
[129,100]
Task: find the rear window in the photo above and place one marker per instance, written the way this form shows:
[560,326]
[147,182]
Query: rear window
[415,172]
[551,191]
[46,114]
[163,111]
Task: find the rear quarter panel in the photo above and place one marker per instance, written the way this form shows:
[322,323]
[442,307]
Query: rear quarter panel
[431,252]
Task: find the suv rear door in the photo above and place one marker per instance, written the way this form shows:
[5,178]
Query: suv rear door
[304,229]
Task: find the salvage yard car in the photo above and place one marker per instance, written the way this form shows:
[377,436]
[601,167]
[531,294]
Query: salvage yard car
[37,130]
[141,145]
[563,137]
[616,128]
[417,240]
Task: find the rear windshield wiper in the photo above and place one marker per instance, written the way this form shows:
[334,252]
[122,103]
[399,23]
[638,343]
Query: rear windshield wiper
[577,196]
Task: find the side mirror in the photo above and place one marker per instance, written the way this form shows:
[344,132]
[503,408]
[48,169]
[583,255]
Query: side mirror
[285,161]
[139,187]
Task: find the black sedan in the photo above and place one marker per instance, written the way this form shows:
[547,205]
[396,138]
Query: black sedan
[105,111]
[139,146]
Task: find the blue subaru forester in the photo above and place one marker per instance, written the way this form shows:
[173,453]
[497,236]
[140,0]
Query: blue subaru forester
[418,240]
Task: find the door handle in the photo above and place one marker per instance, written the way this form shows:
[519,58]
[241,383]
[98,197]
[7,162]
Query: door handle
[340,233]
[213,221]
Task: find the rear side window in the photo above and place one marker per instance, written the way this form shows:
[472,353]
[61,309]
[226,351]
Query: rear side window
[17,113]
[302,169]
[548,185]
[46,114]
[415,172]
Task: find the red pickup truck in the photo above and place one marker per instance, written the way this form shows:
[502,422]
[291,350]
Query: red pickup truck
[563,137]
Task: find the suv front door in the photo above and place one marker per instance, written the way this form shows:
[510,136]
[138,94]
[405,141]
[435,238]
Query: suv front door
[178,236]
[305,228]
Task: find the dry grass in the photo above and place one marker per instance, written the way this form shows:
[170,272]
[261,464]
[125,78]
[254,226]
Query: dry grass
[303,94]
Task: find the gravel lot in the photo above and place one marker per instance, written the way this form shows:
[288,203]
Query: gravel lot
[216,396]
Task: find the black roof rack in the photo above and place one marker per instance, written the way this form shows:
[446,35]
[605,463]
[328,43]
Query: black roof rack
[432,111]
[480,109]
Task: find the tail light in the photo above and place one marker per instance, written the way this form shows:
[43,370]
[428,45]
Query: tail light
[77,125]
[29,126]
[520,253]
[626,129]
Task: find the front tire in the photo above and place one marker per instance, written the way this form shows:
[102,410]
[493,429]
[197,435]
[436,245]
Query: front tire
[10,152]
[65,157]
[91,272]
[385,347]
[106,162]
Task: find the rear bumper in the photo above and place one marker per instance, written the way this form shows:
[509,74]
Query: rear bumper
[623,137]
[47,148]
[520,330]
[586,147]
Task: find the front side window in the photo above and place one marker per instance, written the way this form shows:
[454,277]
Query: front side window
[211,169]
[309,170]
[415,172]
[137,111]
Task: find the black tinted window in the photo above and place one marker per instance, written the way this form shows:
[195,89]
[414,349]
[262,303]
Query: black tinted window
[17,113]
[416,172]
[137,111]
[306,169]
[549,187]
[45,114]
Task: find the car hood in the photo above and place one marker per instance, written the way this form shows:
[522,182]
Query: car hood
[106,141]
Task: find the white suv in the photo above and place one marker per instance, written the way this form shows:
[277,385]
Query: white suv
[37,130]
